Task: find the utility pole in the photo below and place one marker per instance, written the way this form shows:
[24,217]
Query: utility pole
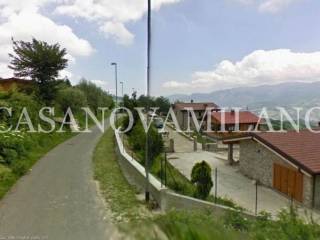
[147,160]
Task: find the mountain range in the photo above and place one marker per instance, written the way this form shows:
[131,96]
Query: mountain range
[288,95]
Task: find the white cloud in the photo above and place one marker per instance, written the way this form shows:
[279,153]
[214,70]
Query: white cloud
[65,74]
[5,72]
[111,15]
[176,85]
[9,7]
[259,67]
[117,31]
[21,20]
[270,6]
[25,25]
[274,6]
[100,83]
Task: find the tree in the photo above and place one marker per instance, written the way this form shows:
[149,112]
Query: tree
[71,98]
[137,139]
[41,62]
[201,177]
[96,97]
[145,101]
[163,104]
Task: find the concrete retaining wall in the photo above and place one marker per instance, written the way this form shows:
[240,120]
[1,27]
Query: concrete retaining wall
[135,173]
[167,199]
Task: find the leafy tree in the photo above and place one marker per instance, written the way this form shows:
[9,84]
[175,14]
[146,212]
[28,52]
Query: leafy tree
[71,98]
[137,139]
[41,62]
[201,177]
[145,101]
[163,104]
[96,97]
[160,102]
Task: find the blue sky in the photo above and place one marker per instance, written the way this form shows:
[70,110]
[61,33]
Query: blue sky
[198,46]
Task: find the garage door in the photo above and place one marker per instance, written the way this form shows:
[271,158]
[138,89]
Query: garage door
[288,181]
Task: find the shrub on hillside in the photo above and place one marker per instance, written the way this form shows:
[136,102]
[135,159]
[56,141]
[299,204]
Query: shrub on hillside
[201,177]
[72,98]
[17,101]
[96,97]
[137,139]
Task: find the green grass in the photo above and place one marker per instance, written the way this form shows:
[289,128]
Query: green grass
[186,225]
[120,196]
[183,225]
[42,144]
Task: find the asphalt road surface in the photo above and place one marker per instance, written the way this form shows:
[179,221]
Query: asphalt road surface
[58,199]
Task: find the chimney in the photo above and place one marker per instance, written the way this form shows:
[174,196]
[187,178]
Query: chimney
[191,100]
[232,111]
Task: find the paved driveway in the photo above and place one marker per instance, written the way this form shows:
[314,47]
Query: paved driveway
[231,183]
[58,199]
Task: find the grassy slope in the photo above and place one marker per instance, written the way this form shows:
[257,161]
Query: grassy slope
[182,225]
[120,196]
[122,200]
[130,214]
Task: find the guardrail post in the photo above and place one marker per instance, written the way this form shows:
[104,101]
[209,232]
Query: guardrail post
[165,169]
[216,185]
[256,206]
[161,171]
[195,144]
[171,147]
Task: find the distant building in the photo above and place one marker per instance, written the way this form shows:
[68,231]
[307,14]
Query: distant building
[199,109]
[12,83]
[245,119]
[287,162]
[223,124]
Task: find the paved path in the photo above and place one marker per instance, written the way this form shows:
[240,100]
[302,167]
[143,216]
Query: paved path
[58,199]
[231,183]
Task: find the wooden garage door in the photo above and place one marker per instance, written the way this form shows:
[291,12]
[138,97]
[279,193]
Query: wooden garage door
[288,181]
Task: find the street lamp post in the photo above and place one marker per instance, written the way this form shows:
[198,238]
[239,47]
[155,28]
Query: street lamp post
[121,89]
[147,160]
[116,79]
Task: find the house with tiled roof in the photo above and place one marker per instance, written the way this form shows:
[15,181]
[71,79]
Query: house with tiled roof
[182,114]
[230,124]
[228,120]
[287,162]
[7,84]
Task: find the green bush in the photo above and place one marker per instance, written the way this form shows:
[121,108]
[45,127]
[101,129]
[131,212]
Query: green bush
[95,96]
[189,225]
[17,101]
[9,155]
[137,139]
[20,167]
[237,221]
[5,174]
[201,177]
[183,225]
[71,98]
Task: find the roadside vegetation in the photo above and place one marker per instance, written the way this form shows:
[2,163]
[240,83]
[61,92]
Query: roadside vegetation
[135,141]
[133,219]
[119,195]
[206,226]
[22,145]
